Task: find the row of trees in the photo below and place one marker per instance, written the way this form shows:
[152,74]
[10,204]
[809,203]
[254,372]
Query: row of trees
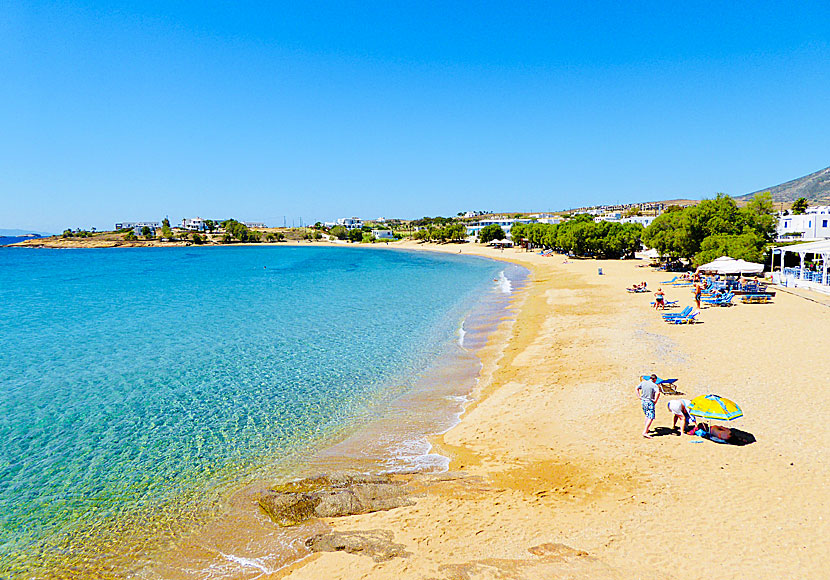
[582,236]
[450,232]
[714,228]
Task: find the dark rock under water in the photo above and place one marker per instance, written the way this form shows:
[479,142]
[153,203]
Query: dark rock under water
[334,495]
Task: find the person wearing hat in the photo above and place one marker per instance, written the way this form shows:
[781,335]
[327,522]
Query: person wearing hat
[649,394]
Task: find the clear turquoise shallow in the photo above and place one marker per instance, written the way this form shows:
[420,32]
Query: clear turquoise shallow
[132,378]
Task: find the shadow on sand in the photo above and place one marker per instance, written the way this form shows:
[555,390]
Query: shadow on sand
[737,437]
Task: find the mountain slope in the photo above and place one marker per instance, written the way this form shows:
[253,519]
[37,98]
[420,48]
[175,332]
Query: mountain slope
[815,187]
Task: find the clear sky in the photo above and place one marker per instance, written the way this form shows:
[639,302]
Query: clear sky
[259,110]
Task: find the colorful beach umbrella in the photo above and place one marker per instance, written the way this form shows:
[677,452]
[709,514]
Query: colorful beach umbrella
[715,407]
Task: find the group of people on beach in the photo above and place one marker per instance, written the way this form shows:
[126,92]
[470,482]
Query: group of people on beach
[649,393]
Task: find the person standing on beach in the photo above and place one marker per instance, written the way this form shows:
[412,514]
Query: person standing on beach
[659,296]
[698,290]
[649,394]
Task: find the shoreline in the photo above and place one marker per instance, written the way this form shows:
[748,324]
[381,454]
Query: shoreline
[551,477]
[402,442]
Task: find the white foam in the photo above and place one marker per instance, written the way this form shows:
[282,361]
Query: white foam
[503,284]
[461,334]
[255,563]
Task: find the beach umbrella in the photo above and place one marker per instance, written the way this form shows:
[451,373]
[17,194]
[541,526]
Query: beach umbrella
[715,407]
[727,265]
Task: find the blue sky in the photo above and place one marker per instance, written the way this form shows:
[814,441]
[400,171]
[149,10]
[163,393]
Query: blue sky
[130,111]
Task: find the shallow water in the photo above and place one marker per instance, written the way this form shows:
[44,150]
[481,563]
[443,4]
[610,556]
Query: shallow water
[141,387]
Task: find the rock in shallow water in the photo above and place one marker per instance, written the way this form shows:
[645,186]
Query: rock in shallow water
[334,495]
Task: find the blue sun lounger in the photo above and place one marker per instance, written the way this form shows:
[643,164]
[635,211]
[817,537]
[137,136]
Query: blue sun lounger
[666,385]
[688,319]
[685,312]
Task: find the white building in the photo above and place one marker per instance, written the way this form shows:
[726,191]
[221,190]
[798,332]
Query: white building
[503,222]
[812,225]
[351,223]
[254,225]
[549,219]
[644,220]
[194,224]
[383,234]
[137,227]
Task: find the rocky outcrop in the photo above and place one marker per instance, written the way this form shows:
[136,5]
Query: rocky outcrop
[334,495]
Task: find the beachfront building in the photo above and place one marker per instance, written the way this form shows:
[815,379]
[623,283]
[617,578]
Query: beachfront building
[814,224]
[137,227]
[254,225]
[813,271]
[503,222]
[383,235]
[351,223]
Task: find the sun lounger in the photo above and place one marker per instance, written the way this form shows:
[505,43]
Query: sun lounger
[668,303]
[666,385]
[756,299]
[669,281]
[689,319]
[685,312]
[725,300]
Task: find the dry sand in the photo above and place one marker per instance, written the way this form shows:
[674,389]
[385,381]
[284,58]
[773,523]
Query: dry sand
[554,479]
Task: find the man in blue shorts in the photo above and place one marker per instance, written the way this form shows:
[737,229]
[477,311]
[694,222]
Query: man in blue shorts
[649,394]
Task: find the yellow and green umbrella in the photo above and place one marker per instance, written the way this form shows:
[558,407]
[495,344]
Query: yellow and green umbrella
[715,407]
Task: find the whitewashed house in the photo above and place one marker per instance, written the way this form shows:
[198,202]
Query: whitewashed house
[812,225]
[351,223]
[383,235]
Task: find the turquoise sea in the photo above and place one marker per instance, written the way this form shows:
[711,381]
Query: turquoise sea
[139,387]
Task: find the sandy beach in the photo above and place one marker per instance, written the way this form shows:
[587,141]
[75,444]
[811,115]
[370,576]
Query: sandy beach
[550,477]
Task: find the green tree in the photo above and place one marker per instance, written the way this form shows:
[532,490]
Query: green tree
[147,232]
[339,232]
[130,236]
[197,239]
[457,231]
[210,225]
[355,235]
[166,232]
[165,223]
[237,230]
[800,206]
[490,233]
[747,246]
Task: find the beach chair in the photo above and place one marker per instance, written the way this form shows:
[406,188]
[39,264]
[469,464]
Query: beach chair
[685,312]
[756,299]
[688,319]
[669,281]
[668,303]
[666,385]
[725,300]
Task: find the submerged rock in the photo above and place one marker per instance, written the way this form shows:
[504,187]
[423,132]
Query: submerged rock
[334,495]
[376,544]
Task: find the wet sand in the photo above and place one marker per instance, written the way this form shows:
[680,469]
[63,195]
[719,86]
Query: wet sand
[551,478]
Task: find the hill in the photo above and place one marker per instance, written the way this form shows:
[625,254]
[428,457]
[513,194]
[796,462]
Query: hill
[815,187]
